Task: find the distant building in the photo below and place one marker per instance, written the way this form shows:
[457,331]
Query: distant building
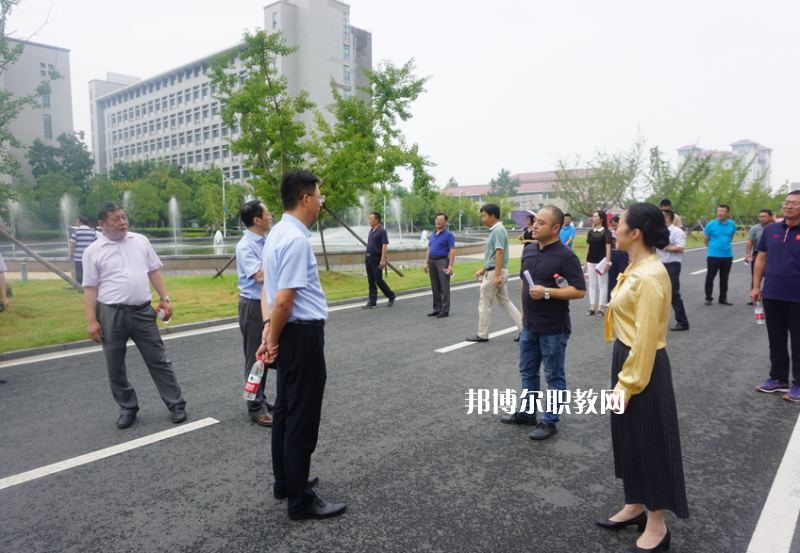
[748,151]
[174,115]
[535,191]
[54,117]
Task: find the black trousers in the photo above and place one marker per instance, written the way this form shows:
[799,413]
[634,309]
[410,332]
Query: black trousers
[723,266]
[79,272]
[619,262]
[375,279]
[251,325]
[295,426]
[783,318]
[674,270]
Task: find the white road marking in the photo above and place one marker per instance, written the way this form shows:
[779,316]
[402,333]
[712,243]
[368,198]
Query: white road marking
[704,270]
[775,529]
[103,453]
[465,344]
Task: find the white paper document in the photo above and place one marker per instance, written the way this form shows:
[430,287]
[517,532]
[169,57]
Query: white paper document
[601,266]
[528,278]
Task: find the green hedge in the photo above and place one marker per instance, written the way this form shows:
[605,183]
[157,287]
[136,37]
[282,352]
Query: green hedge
[36,236]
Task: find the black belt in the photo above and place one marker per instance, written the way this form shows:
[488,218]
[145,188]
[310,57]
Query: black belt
[490,268]
[440,257]
[373,254]
[127,308]
[318,323]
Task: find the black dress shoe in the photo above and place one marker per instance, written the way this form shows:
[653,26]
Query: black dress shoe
[178,415]
[124,421]
[391,300]
[2,380]
[433,313]
[514,419]
[442,315]
[709,302]
[517,338]
[477,338]
[660,548]
[640,521]
[725,302]
[319,509]
[543,431]
[369,306]
[677,328]
[312,481]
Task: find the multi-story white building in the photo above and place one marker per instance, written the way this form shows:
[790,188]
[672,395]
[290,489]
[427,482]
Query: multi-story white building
[757,156]
[174,115]
[54,117]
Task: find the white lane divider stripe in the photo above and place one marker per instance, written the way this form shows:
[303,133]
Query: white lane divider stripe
[103,453]
[465,344]
[704,270]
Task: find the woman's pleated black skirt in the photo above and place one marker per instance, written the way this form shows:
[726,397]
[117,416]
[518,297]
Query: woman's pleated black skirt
[646,441]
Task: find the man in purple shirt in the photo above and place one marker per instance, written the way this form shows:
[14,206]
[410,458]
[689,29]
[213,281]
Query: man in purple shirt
[439,259]
[778,263]
[118,270]
[375,261]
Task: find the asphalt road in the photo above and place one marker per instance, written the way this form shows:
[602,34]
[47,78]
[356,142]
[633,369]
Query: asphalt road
[396,444]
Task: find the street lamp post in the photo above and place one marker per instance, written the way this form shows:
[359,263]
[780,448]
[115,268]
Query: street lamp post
[224,208]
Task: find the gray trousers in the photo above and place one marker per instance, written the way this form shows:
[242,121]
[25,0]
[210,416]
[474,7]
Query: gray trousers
[440,284]
[139,326]
[252,325]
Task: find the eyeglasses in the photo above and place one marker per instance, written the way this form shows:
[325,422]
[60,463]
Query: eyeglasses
[791,204]
[321,198]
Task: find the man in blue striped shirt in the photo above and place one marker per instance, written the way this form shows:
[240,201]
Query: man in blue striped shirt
[78,242]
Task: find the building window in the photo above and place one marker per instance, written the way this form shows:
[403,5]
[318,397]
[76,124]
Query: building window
[205,112]
[180,118]
[235,172]
[207,154]
[180,98]
[45,100]
[216,153]
[189,137]
[346,52]
[215,132]
[224,131]
[346,75]
[274,20]
[246,173]
[190,157]
[225,153]
[214,108]
[182,139]
[345,26]
[41,65]
[205,90]
[42,72]
[206,133]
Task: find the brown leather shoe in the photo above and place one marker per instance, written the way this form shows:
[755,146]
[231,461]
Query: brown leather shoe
[263,420]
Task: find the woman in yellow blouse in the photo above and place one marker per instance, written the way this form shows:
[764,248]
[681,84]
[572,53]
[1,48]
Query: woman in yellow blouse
[645,439]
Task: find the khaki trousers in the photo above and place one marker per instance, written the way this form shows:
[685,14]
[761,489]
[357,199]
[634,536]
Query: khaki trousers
[488,295]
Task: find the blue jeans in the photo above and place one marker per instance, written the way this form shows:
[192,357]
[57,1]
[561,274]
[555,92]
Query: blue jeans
[535,350]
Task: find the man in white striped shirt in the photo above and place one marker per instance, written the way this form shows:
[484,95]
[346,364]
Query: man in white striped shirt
[671,257]
[81,238]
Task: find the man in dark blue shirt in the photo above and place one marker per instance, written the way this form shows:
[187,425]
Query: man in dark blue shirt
[439,263]
[778,263]
[376,261]
[546,323]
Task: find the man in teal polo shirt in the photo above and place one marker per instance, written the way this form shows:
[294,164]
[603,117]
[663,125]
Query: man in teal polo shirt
[495,274]
[718,238]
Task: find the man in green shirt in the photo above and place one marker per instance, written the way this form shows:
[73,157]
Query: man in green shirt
[495,274]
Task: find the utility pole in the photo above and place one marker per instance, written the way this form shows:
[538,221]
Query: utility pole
[224,208]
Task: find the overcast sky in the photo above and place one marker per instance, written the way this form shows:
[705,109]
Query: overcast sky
[514,84]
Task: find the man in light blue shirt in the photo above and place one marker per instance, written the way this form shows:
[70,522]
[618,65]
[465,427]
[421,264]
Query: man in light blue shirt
[256,218]
[295,309]
[567,233]
[718,238]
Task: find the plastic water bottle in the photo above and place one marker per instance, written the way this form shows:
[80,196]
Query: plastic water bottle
[446,272]
[254,380]
[478,277]
[760,313]
[560,281]
[161,314]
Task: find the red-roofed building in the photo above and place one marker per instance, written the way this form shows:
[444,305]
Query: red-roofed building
[746,150]
[535,191]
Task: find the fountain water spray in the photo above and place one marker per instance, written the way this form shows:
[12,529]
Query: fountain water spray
[396,207]
[68,214]
[174,218]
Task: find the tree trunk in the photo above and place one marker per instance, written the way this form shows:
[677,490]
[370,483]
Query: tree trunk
[220,271]
[324,251]
[43,261]
[358,237]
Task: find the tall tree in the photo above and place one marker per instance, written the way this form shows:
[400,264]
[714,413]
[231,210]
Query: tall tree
[452,183]
[10,107]
[504,185]
[71,159]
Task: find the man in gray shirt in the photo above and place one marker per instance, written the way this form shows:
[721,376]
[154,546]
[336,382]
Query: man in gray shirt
[495,273]
[765,217]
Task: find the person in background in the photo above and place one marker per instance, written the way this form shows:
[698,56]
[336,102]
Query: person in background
[718,238]
[567,234]
[527,235]
[619,259]
[644,428]
[439,258]
[765,217]
[666,204]
[598,248]
[672,258]
[375,262]
[256,218]
[80,239]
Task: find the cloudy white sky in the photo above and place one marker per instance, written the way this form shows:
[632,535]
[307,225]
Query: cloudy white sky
[514,83]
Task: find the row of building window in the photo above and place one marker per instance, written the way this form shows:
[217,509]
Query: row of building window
[161,104]
[170,121]
[197,157]
[208,133]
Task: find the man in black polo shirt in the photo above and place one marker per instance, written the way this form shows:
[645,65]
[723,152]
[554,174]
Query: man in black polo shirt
[376,262]
[546,323]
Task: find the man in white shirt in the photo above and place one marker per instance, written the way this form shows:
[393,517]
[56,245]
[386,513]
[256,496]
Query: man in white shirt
[671,257]
[117,272]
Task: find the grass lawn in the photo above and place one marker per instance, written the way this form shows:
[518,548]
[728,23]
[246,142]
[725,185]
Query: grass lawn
[43,313]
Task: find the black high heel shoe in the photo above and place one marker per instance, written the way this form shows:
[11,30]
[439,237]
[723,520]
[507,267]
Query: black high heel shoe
[660,548]
[640,521]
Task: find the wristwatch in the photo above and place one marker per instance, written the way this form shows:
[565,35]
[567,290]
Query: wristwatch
[166,298]
[547,293]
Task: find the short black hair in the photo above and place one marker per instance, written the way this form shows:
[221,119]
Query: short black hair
[568,215]
[615,219]
[793,193]
[250,210]
[669,213]
[558,215]
[296,184]
[767,211]
[83,220]
[665,202]
[443,215]
[491,209]
[377,215]
[726,206]
[105,208]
